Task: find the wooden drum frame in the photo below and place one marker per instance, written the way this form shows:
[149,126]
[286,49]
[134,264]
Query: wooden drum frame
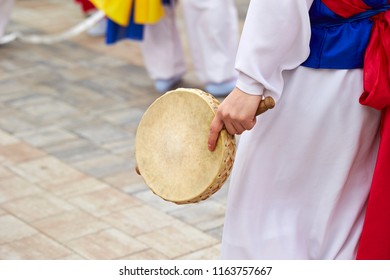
[171,146]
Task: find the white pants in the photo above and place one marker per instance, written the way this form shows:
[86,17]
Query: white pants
[212,32]
[5,13]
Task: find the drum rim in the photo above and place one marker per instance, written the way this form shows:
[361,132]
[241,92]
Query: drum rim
[226,160]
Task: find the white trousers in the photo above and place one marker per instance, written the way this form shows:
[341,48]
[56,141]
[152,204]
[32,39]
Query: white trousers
[212,32]
[5,13]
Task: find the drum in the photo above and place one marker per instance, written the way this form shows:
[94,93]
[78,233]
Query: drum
[171,148]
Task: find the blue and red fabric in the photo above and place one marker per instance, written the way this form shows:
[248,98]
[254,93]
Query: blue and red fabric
[133,31]
[349,34]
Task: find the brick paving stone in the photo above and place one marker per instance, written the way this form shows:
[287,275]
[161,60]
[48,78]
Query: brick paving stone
[13,122]
[19,152]
[71,257]
[216,232]
[46,169]
[98,62]
[106,245]
[104,201]
[135,188]
[124,117]
[12,187]
[200,213]
[212,225]
[150,198]
[8,95]
[7,139]
[36,207]
[102,133]
[129,181]
[104,165]
[177,240]
[124,52]
[127,221]
[76,73]
[12,229]
[46,136]
[5,172]
[26,98]
[80,96]
[69,225]
[148,254]
[210,253]
[124,148]
[39,247]
[75,150]
[2,212]
[38,73]
[78,186]
[48,108]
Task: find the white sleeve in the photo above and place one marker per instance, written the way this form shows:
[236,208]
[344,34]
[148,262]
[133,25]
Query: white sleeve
[275,38]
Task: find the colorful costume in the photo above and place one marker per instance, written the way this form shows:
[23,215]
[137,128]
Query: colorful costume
[126,19]
[302,175]
[212,32]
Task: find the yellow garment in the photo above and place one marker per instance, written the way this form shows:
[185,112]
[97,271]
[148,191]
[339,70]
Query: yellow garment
[148,11]
[145,11]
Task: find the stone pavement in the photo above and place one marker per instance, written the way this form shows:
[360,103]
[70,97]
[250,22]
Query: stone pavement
[68,115]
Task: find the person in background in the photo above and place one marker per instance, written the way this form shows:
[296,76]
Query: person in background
[212,32]
[88,8]
[211,29]
[5,14]
[311,177]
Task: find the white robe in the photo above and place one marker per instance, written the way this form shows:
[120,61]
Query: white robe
[301,177]
[212,32]
[5,13]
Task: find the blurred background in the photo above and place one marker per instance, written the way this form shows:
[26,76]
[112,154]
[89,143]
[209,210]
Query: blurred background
[68,115]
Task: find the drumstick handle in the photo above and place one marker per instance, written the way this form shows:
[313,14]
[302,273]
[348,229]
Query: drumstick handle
[265,104]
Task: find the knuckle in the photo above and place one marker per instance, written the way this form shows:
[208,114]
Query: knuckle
[225,115]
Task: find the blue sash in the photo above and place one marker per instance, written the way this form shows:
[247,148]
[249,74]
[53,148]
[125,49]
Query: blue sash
[336,42]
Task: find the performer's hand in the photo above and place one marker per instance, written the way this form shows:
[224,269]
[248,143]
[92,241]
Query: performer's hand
[237,113]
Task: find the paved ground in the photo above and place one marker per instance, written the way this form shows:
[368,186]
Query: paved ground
[68,115]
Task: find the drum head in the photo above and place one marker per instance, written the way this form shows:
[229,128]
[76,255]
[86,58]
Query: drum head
[171,146]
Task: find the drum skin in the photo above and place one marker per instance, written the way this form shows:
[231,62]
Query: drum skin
[171,148]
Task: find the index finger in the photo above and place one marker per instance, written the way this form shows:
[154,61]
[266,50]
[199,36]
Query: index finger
[215,127]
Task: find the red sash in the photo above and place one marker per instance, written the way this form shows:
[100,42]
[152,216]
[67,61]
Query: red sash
[375,239]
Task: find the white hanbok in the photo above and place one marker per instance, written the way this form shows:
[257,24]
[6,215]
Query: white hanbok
[302,175]
[212,32]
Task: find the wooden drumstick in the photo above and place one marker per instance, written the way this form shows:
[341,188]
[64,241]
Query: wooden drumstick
[264,105]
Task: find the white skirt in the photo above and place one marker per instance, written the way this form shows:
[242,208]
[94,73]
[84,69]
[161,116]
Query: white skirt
[302,175]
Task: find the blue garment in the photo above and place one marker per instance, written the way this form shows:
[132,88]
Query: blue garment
[339,43]
[133,31]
